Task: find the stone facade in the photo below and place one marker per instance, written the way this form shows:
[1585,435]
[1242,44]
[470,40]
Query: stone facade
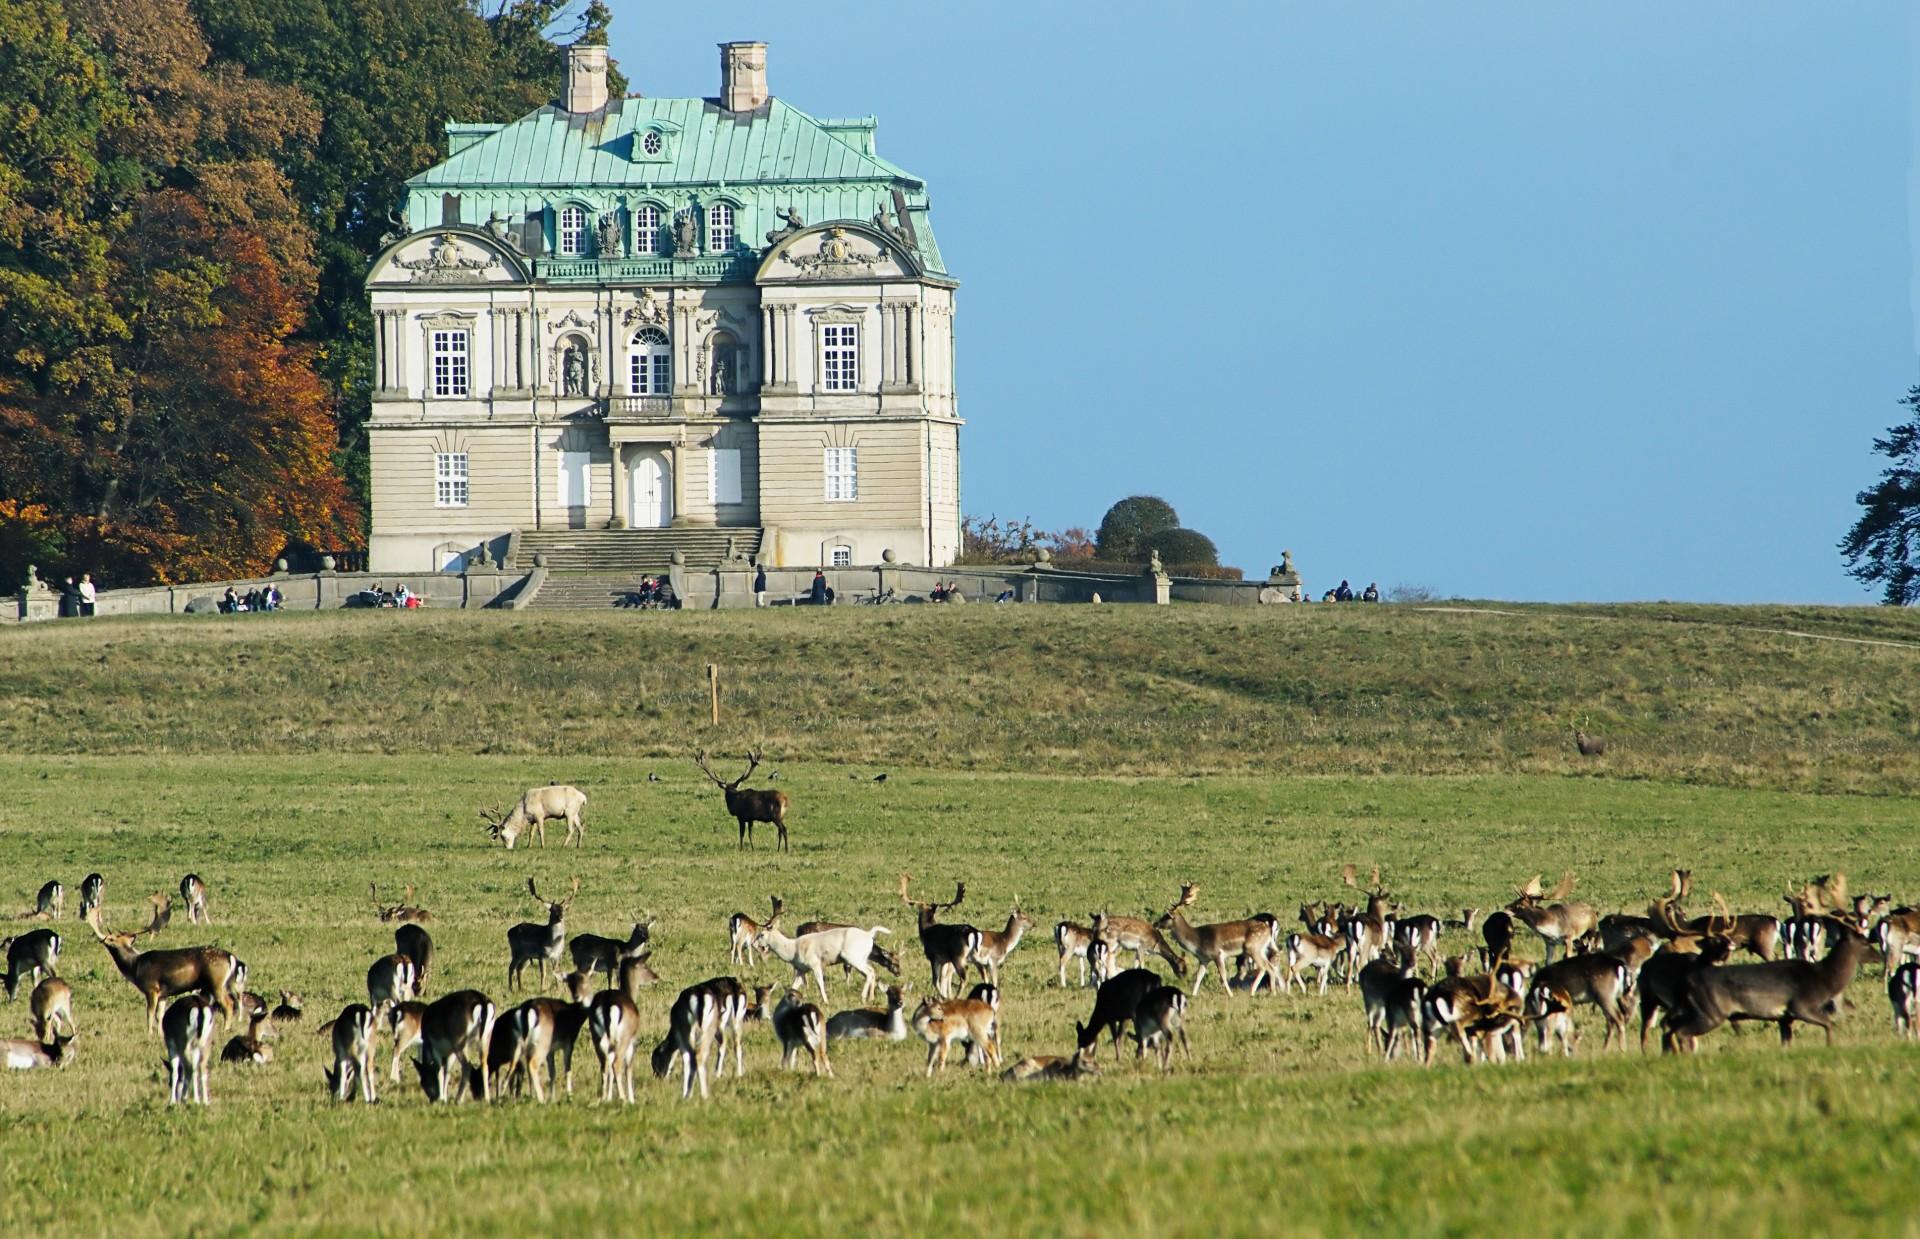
[616,313]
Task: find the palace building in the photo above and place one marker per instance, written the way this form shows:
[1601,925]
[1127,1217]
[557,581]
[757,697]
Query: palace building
[628,326]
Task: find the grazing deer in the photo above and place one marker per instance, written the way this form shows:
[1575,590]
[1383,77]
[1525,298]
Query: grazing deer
[736,1006]
[160,975]
[1551,1011]
[50,1007]
[1136,934]
[1076,1066]
[1311,949]
[888,1025]
[1448,1006]
[1378,981]
[417,945]
[529,817]
[750,806]
[1662,984]
[798,1025]
[193,896]
[1560,922]
[1072,942]
[32,954]
[251,1046]
[402,911]
[566,1019]
[743,929]
[393,978]
[1114,1005]
[692,1027]
[455,1032]
[522,1043]
[810,954]
[403,1023]
[1212,944]
[17,1055]
[352,1038]
[1784,991]
[949,948]
[1494,1026]
[996,945]
[90,888]
[943,1022]
[289,1011]
[1160,1017]
[162,906]
[50,904]
[533,943]
[1599,980]
[188,1033]
[1419,935]
[593,953]
[1903,991]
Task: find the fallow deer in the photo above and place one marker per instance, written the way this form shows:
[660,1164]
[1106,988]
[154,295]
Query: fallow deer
[1560,921]
[1599,980]
[749,806]
[1405,1017]
[949,948]
[743,929]
[1311,949]
[1160,1017]
[50,904]
[1114,1005]
[1365,932]
[290,1010]
[18,1055]
[1662,985]
[1072,941]
[533,943]
[693,1025]
[1379,979]
[393,978]
[1785,992]
[594,954]
[187,1030]
[159,975]
[90,889]
[193,896]
[1136,934]
[797,1025]
[521,1045]
[1101,965]
[251,1046]
[1419,935]
[455,1032]
[50,1008]
[402,911]
[1897,936]
[162,915]
[810,954]
[942,1023]
[996,945]
[352,1044]
[32,955]
[403,1023]
[1496,936]
[1494,1026]
[566,1020]
[1212,944]
[1903,991]
[888,1025]
[735,1006]
[1551,1011]
[529,817]
[1448,1005]
[1036,1068]
[416,944]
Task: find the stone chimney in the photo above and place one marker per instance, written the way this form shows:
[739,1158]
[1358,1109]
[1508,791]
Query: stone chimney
[586,78]
[743,76]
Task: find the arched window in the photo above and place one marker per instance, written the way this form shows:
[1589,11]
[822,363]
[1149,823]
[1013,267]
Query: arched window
[571,238]
[719,228]
[650,364]
[646,229]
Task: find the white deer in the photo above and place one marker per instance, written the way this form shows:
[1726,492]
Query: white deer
[812,953]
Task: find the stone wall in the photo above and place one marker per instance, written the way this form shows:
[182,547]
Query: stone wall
[317,591]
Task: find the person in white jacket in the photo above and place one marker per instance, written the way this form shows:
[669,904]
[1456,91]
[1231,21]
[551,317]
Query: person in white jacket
[88,595]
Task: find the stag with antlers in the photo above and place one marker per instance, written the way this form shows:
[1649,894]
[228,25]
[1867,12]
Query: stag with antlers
[748,805]
[949,948]
[1560,922]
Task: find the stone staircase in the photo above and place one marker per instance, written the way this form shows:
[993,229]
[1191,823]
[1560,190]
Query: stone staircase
[589,569]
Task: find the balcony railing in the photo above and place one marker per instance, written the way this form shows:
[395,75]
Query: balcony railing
[645,270]
[640,406]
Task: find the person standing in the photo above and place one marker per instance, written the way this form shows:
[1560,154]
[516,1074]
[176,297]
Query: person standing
[818,595]
[69,599]
[88,595]
[759,585]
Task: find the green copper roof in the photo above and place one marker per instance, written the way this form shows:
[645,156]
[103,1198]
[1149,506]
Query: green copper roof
[705,145]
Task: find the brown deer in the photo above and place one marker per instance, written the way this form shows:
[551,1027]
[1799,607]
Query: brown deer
[1311,949]
[949,947]
[1662,984]
[1139,935]
[1897,936]
[537,805]
[18,1055]
[416,944]
[402,911]
[996,945]
[1599,980]
[798,1025]
[290,1009]
[1072,942]
[1903,992]
[593,953]
[455,1032]
[31,955]
[1161,1017]
[1589,745]
[1035,1068]
[521,1045]
[1212,944]
[1552,1014]
[50,904]
[162,913]
[159,975]
[1560,922]
[693,1025]
[352,1044]
[193,896]
[750,806]
[188,1034]
[1366,933]
[942,1023]
[743,929]
[50,1008]
[532,943]
[90,889]
[251,1046]
[1785,992]
[403,1021]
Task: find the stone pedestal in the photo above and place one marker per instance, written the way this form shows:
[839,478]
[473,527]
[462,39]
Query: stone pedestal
[1283,582]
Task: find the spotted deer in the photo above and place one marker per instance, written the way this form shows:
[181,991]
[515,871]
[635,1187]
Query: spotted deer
[943,1023]
[995,945]
[1139,935]
[405,910]
[743,929]
[50,1008]
[1211,945]
[1035,1068]
[1072,941]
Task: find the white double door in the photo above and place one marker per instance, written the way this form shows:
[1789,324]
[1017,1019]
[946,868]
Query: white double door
[649,490]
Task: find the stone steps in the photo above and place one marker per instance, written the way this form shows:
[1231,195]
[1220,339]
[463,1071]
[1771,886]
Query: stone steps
[583,591]
[632,551]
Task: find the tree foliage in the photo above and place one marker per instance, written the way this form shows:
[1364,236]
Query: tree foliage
[1184,546]
[1883,547]
[1128,524]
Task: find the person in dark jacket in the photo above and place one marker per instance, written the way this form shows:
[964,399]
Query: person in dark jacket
[819,595]
[760,585]
[69,599]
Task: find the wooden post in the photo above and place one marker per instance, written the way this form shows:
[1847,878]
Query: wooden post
[713,690]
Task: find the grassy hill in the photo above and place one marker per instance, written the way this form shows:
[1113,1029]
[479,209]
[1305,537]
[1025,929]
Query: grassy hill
[1810,698]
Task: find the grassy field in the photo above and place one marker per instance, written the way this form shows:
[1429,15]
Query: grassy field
[291,762]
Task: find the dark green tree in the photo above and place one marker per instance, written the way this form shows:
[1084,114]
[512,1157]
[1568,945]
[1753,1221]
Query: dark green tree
[1184,546]
[1125,528]
[1883,547]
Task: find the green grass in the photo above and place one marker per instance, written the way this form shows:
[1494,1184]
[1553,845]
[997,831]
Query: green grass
[1075,758]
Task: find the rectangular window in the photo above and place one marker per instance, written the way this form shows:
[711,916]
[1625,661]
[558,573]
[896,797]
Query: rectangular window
[723,465]
[646,230]
[842,556]
[572,232]
[719,228]
[449,479]
[843,474]
[449,363]
[840,357]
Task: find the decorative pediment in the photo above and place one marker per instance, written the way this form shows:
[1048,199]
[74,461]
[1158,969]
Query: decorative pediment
[841,251]
[447,256]
[648,309]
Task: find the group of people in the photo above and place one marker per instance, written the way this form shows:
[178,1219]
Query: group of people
[262,598]
[78,599]
[1344,593]
[944,591]
[653,594]
[399,598]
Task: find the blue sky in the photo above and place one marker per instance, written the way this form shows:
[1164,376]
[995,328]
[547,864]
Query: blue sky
[1512,300]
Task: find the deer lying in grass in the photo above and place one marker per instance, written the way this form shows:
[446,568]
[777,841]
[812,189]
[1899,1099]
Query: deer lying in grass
[533,943]
[529,817]
[290,1009]
[810,954]
[1560,921]
[402,911]
[18,1055]
[888,1025]
[160,975]
[187,1030]
[743,929]
[1035,1068]
[1785,992]
[749,806]
[250,1047]
[1211,945]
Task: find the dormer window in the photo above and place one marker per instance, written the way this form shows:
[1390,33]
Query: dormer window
[653,143]
[570,238]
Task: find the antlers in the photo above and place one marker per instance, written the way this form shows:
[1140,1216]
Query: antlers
[959,893]
[753,763]
[700,760]
[1350,874]
[531,890]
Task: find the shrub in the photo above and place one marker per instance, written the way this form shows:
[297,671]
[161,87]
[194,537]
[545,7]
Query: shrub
[1183,546]
[1125,528]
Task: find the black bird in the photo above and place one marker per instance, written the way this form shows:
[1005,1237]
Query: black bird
[652,777]
[880,778]
[773,776]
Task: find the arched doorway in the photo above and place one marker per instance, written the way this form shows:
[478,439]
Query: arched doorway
[650,488]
